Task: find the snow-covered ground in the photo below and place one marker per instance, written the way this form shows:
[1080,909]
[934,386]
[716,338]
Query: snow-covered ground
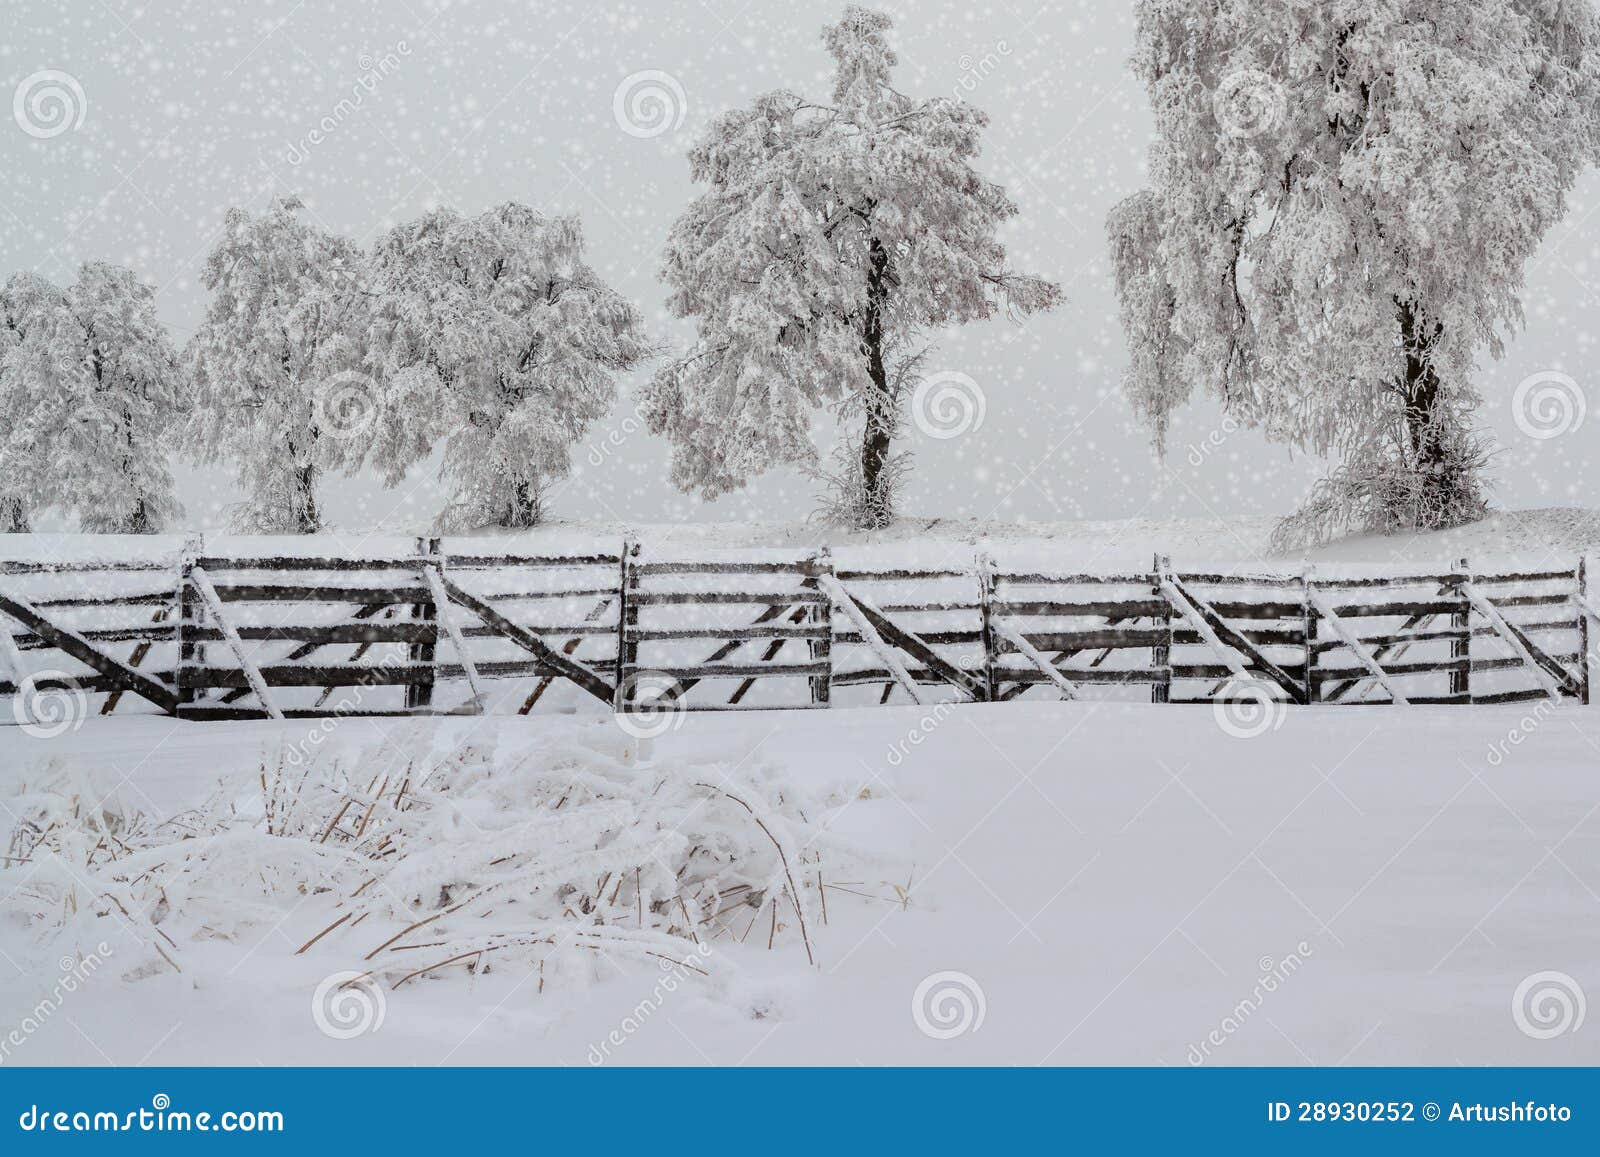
[1539,535]
[1108,883]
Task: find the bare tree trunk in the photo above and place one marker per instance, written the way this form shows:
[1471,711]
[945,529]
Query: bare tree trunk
[526,506]
[1421,391]
[14,517]
[307,520]
[879,405]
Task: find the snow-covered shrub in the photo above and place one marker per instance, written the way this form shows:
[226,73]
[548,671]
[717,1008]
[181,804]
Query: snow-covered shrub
[1379,487]
[555,851]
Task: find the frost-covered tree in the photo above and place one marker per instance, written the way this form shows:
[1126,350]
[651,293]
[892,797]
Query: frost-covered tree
[1344,196]
[830,235]
[276,363]
[493,334]
[26,435]
[100,392]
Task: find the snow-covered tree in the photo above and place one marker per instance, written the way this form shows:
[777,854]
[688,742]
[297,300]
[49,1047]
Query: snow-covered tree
[278,389]
[830,236]
[26,435]
[100,392]
[1344,196]
[492,334]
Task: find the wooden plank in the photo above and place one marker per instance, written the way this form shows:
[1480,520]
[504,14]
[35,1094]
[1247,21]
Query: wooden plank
[699,671]
[318,593]
[570,668]
[1226,641]
[1551,675]
[215,565]
[140,653]
[356,675]
[891,632]
[722,598]
[432,575]
[845,602]
[213,605]
[70,643]
[716,634]
[570,647]
[1340,628]
[1015,638]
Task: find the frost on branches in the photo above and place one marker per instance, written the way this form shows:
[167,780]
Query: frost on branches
[831,234]
[274,361]
[493,334]
[92,389]
[1344,196]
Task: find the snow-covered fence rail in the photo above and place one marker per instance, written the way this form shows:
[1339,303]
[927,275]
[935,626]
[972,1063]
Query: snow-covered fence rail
[245,635]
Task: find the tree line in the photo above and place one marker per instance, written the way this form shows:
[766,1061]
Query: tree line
[1343,200]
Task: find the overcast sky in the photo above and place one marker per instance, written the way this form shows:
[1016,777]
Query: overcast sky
[190,108]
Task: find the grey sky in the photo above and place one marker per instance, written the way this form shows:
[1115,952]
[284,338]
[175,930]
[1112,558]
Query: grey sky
[190,108]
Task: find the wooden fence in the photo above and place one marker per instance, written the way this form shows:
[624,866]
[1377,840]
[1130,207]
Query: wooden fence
[228,637]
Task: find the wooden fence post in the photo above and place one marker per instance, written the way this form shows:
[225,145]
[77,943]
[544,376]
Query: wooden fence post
[627,616]
[1584,657]
[991,656]
[1313,622]
[1161,654]
[1461,621]
[821,615]
[419,693]
[189,652]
